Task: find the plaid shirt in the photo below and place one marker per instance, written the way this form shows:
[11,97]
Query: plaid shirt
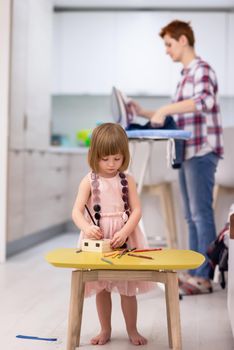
[198,82]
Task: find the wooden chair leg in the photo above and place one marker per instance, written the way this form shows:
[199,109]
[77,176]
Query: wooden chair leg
[173,311]
[164,191]
[167,202]
[75,310]
[216,194]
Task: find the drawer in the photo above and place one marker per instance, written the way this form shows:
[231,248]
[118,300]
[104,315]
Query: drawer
[15,226]
[43,214]
[57,161]
[57,181]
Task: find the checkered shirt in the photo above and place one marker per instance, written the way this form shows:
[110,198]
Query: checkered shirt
[198,82]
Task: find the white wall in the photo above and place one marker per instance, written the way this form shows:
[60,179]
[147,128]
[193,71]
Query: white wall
[5,8]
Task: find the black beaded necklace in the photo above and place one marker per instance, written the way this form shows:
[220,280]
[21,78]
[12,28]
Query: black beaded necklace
[96,195]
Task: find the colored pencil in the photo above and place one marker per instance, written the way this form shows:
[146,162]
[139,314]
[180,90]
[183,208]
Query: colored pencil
[107,261]
[123,253]
[91,217]
[147,250]
[35,338]
[110,254]
[140,256]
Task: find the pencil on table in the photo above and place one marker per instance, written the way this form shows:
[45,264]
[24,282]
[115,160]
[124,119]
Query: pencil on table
[140,256]
[111,254]
[123,253]
[107,261]
[147,250]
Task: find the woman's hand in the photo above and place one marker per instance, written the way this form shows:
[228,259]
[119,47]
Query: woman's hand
[158,117]
[134,108]
[118,240]
[93,232]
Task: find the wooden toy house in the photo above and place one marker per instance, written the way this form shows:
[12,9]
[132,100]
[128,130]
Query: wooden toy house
[100,245]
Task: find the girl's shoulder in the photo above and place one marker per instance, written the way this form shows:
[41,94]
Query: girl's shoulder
[130,178]
[86,180]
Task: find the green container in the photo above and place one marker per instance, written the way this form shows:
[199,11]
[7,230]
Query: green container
[84,137]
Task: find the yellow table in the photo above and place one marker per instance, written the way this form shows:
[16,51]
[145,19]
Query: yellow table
[89,267]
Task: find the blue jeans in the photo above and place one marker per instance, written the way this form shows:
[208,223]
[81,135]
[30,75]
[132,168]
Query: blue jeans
[196,178]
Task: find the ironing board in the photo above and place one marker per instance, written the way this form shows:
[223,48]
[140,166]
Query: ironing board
[89,267]
[150,136]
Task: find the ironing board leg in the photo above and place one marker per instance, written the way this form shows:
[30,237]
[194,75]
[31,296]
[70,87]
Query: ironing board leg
[75,310]
[173,311]
[144,166]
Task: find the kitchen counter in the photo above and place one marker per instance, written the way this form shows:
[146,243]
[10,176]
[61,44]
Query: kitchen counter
[68,150]
[54,149]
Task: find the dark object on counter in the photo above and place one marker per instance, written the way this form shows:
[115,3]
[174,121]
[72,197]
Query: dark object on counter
[60,140]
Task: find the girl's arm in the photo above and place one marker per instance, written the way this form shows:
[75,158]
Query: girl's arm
[90,230]
[134,202]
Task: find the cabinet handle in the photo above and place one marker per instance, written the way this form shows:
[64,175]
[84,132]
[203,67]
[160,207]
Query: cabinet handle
[58,197]
[25,122]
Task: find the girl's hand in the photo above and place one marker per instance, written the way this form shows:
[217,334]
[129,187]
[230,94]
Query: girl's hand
[94,232]
[118,240]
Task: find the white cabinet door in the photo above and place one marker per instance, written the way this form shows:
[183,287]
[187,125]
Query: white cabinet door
[230,55]
[38,81]
[78,168]
[84,59]
[30,74]
[94,51]
[18,74]
[142,67]
[211,42]
[15,200]
[46,188]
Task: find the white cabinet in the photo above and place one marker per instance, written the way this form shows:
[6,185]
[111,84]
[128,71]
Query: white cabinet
[94,51]
[15,201]
[84,52]
[38,79]
[46,189]
[141,64]
[18,74]
[78,168]
[38,195]
[30,74]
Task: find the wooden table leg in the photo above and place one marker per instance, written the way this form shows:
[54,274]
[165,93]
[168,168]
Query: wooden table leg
[75,310]
[173,311]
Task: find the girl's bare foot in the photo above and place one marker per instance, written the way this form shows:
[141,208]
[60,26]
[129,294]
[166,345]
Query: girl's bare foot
[102,338]
[136,338]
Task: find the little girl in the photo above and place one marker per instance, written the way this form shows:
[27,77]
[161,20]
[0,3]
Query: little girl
[112,199]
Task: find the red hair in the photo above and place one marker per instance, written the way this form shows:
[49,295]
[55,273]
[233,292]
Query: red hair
[177,28]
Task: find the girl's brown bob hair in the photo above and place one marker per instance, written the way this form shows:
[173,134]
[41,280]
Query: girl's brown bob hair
[177,28]
[108,139]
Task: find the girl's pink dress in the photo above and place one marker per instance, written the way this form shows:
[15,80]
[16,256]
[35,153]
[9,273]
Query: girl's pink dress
[112,220]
